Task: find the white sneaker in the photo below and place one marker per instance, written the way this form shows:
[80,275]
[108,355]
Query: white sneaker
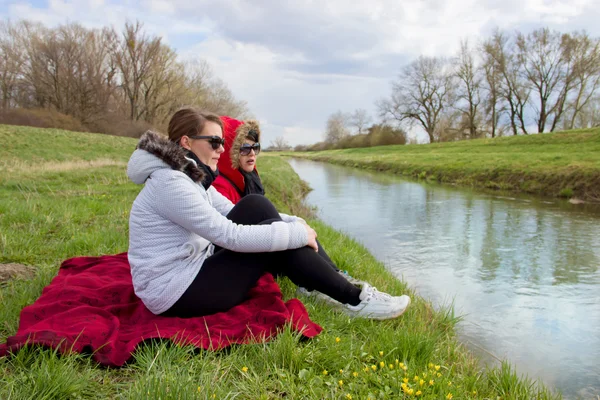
[377,305]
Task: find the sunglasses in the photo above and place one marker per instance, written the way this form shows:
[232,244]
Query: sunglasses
[247,148]
[215,141]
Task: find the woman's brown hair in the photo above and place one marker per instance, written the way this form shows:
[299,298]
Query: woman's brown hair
[190,121]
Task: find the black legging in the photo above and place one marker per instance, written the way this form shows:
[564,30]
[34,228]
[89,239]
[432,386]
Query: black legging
[226,277]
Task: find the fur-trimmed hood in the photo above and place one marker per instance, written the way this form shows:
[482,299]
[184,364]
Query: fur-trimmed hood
[234,132]
[155,151]
[240,135]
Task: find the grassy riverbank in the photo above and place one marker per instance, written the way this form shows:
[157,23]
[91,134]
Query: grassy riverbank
[562,164]
[65,194]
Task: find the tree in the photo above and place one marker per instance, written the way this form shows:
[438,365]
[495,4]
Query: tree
[468,89]
[336,128]
[586,74]
[12,62]
[135,57]
[546,69]
[359,119]
[491,86]
[421,93]
[512,89]
[279,144]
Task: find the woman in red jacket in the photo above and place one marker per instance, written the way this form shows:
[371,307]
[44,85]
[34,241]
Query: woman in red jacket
[238,176]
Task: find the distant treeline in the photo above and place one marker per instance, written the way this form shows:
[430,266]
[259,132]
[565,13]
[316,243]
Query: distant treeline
[507,84]
[100,80]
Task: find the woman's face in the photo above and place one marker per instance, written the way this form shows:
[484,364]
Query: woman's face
[247,162]
[203,148]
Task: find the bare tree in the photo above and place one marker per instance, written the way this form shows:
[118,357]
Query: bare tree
[468,88]
[222,101]
[589,115]
[162,86]
[513,91]
[336,128]
[360,119]
[546,70]
[492,88]
[279,144]
[420,94]
[585,74]
[12,62]
[135,57]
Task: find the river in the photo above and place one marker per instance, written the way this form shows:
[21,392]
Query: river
[523,272]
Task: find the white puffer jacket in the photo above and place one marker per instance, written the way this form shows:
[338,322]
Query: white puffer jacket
[174,223]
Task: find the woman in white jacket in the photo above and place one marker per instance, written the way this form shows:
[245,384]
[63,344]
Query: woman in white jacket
[193,253]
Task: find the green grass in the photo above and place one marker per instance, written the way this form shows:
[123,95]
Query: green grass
[60,202]
[562,164]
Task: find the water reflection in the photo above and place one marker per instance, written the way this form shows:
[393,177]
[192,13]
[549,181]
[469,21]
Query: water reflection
[524,272]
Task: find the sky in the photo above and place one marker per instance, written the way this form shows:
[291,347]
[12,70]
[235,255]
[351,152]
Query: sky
[297,62]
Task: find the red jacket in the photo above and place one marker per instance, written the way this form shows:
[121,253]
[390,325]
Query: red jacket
[230,182]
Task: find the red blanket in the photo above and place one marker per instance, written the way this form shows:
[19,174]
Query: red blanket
[91,306]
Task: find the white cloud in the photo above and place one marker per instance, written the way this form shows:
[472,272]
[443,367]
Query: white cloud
[297,62]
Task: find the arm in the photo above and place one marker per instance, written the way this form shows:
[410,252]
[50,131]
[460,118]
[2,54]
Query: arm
[180,201]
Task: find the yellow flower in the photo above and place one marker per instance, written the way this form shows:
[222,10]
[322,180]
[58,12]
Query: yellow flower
[244,369]
[405,368]
[366,369]
[416,378]
[349,396]
[449,396]
[431,382]
[424,375]
[341,371]
[437,367]
[374,367]
[355,374]
[418,393]
[391,366]
[382,364]
[474,391]
[337,340]
[381,353]
[430,365]
[449,383]
[405,380]
[438,374]
[403,385]
[199,388]
[410,391]
[401,365]
[214,396]
[396,361]
[325,372]
[341,382]
[421,382]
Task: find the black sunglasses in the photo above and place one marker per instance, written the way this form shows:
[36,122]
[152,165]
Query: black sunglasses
[247,148]
[215,141]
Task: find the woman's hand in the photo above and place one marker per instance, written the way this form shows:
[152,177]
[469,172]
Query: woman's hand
[312,236]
